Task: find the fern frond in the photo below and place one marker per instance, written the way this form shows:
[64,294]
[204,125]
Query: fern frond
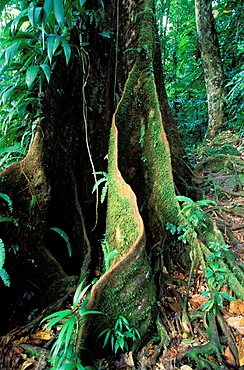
[2,254]
[5,277]
[8,200]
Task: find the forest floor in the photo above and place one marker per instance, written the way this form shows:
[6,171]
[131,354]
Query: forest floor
[220,170]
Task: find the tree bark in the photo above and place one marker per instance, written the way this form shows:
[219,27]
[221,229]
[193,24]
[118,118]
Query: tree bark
[212,66]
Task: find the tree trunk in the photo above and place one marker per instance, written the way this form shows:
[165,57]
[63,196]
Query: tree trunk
[52,186]
[212,66]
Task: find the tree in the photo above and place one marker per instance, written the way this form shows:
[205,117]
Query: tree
[212,66]
[51,188]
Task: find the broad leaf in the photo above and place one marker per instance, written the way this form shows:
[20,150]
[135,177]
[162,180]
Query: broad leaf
[47,71]
[59,12]
[31,74]
[67,50]
[48,6]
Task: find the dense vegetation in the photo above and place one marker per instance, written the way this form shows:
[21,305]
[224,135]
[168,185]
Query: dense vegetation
[101,205]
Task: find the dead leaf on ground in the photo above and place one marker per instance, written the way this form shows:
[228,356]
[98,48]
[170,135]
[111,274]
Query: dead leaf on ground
[229,357]
[197,301]
[240,347]
[236,322]
[237,307]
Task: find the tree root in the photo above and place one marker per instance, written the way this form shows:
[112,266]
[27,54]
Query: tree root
[201,353]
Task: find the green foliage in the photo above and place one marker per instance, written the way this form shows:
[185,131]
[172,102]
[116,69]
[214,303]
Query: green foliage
[217,250]
[64,354]
[3,273]
[64,236]
[105,186]
[108,255]
[30,43]
[120,335]
[193,215]
[214,275]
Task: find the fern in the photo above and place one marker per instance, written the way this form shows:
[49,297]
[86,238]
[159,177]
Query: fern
[105,186]
[8,200]
[3,273]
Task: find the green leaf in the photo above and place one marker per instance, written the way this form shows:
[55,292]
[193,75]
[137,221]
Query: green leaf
[11,52]
[47,71]
[2,254]
[106,337]
[8,200]
[78,294]
[56,317]
[5,277]
[10,219]
[205,294]
[208,305]
[31,74]
[226,296]
[67,50]
[182,198]
[112,255]
[50,46]
[59,12]
[48,6]
[89,312]
[64,236]
[70,326]
[205,202]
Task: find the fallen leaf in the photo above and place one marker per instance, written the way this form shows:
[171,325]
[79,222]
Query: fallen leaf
[240,347]
[236,322]
[229,357]
[237,307]
[43,335]
[185,367]
[197,301]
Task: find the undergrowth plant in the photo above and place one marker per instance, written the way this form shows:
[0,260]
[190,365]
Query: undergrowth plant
[64,355]
[121,336]
[3,218]
[103,179]
[215,276]
[108,255]
[193,217]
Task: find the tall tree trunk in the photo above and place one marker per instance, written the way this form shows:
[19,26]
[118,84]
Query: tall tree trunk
[52,186]
[212,66]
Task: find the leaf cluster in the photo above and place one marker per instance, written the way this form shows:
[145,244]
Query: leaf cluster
[120,335]
[193,218]
[5,218]
[63,353]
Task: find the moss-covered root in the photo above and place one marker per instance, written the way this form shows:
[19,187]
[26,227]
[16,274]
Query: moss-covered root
[200,354]
[127,288]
